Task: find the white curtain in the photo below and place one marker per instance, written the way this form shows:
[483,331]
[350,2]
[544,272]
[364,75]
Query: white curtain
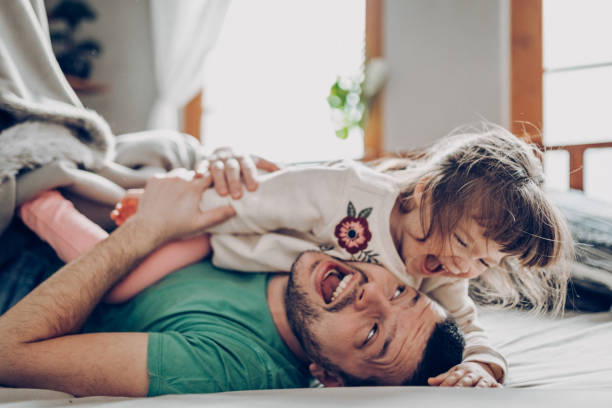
[184,31]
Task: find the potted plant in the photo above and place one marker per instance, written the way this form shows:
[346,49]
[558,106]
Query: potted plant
[74,56]
[351,96]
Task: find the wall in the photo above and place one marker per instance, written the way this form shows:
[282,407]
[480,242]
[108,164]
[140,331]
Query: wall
[126,64]
[448,63]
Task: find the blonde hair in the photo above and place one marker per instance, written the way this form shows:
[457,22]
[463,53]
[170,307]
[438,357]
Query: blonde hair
[501,176]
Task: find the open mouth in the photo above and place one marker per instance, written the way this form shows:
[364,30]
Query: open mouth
[432,265]
[333,283]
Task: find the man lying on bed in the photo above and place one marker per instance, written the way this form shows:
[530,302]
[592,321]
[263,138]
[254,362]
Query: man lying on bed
[203,329]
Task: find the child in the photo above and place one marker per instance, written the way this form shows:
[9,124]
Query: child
[471,206]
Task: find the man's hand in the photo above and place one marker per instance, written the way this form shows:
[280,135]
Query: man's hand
[229,169]
[468,374]
[169,207]
[38,344]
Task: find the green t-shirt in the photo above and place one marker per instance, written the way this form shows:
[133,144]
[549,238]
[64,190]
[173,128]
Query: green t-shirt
[210,330]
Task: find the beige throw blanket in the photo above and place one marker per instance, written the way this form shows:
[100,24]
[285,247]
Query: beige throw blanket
[49,140]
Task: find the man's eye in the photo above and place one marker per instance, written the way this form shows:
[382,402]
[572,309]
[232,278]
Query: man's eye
[398,291]
[484,263]
[461,242]
[371,333]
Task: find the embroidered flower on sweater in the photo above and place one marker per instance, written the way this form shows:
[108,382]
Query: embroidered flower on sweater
[353,234]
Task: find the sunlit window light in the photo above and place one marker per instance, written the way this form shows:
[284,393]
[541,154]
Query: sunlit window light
[267,81]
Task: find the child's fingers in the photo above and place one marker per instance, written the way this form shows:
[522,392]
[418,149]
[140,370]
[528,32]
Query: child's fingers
[452,379]
[217,170]
[232,177]
[265,165]
[438,379]
[488,383]
[249,172]
[467,380]
[484,383]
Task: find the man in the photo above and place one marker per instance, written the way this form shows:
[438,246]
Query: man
[168,339]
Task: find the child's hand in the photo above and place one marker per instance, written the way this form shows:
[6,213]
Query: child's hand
[468,374]
[229,170]
[127,206]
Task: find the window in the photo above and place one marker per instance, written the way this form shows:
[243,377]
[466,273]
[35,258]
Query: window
[267,80]
[577,84]
[566,45]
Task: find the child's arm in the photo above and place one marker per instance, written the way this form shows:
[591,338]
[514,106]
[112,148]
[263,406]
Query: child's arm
[480,360]
[298,199]
[55,220]
[265,252]
[158,264]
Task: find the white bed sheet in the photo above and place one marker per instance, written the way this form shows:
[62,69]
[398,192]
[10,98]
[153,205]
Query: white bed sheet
[570,352]
[553,363]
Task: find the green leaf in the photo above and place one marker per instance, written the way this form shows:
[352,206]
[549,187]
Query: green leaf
[335,101]
[342,133]
[339,91]
[350,210]
[365,212]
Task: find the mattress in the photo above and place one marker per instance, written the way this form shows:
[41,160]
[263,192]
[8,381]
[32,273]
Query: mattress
[564,362]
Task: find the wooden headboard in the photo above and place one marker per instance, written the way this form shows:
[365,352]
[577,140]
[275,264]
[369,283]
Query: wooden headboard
[576,159]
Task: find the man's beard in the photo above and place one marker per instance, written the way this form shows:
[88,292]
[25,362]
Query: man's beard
[302,318]
[301,315]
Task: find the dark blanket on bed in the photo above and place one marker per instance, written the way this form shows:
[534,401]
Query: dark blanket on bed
[590,222]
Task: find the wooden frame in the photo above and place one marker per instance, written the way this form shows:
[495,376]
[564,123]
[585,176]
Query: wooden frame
[526,69]
[527,93]
[576,160]
[192,116]
[373,137]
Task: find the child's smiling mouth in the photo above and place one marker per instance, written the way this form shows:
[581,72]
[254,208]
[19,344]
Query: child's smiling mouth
[432,265]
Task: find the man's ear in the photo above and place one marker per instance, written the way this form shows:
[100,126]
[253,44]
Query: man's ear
[325,377]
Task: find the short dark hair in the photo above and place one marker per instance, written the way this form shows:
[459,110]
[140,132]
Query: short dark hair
[443,350]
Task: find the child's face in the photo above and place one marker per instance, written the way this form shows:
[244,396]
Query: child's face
[466,253]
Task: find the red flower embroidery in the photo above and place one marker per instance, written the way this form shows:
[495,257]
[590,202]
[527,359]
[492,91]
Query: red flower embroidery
[353,234]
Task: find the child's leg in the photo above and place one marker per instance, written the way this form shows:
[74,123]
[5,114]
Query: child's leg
[55,220]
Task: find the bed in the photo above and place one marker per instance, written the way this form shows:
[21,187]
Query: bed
[553,362]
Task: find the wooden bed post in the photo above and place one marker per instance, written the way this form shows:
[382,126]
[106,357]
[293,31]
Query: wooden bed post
[373,137]
[576,160]
[576,164]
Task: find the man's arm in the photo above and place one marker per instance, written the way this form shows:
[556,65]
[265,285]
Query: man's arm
[37,347]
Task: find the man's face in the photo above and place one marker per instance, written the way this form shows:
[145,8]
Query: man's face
[360,317]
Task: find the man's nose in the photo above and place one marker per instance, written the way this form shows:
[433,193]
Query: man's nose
[370,296]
